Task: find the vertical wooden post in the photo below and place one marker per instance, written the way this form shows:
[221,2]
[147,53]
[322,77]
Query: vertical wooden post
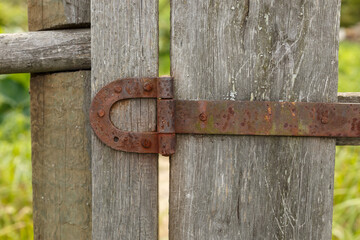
[60,138]
[253,187]
[125,186]
[61,155]
[58,14]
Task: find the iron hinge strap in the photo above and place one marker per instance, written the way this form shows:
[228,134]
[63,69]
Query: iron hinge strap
[140,142]
[215,117]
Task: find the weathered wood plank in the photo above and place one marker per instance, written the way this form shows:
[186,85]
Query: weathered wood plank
[349,97]
[348,141]
[56,14]
[61,155]
[125,186]
[48,51]
[253,187]
[60,127]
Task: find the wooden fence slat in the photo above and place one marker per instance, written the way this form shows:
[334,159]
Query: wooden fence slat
[349,97]
[46,51]
[61,155]
[253,187]
[125,186]
[60,131]
[58,14]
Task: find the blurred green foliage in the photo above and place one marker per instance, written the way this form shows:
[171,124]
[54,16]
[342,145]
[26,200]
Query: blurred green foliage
[15,163]
[164,37]
[15,150]
[350,12]
[349,67]
[13,16]
[346,220]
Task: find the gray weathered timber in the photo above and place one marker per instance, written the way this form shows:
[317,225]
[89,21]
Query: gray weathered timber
[125,186]
[48,51]
[56,14]
[60,133]
[61,155]
[349,97]
[253,187]
[348,141]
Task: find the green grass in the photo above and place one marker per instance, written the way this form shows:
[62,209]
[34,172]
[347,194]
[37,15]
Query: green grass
[346,221]
[15,178]
[15,163]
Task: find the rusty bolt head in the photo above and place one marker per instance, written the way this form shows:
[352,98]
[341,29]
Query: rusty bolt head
[324,120]
[146,143]
[148,87]
[118,89]
[203,117]
[101,113]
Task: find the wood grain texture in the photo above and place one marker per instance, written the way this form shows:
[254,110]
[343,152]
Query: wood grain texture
[48,51]
[58,14]
[349,97]
[348,141]
[253,187]
[60,127]
[125,185]
[61,155]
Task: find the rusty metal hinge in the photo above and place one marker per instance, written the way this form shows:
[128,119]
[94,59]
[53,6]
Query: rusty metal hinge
[214,117]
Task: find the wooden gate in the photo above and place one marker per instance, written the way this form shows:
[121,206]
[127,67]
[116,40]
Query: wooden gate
[221,187]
